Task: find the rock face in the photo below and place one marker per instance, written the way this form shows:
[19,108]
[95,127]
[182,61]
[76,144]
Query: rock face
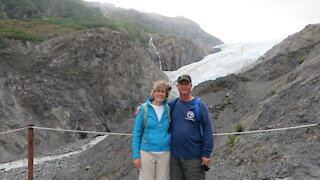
[176,41]
[282,90]
[170,52]
[93,80]
[90,80]
[179,26]
[183,27]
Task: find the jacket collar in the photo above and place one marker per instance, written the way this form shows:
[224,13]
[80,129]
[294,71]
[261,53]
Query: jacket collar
[149,100]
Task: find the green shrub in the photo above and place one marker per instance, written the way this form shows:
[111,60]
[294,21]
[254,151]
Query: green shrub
[239,127]
[232,140]
[301,60]
[229,100]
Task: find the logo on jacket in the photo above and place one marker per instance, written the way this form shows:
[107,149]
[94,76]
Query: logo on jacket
[190,116]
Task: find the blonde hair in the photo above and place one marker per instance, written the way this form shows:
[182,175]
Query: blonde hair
[161,85]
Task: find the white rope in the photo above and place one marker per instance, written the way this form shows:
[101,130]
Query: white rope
[126,134]
[219,134]
[15,130]
[266,130]
[79,131]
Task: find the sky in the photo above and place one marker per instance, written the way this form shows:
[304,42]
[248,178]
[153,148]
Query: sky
[235,21]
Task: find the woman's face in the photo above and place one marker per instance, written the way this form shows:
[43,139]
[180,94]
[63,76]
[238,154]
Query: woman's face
[159,95]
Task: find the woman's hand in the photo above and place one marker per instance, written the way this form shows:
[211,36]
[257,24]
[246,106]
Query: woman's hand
[137,163]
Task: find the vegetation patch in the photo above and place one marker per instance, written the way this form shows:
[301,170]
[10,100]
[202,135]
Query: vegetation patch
[229,100]
[301,60]
[301,55]
[75,24]
[7,31]
[233,139]
[40,29]
[36,18]
[239,127]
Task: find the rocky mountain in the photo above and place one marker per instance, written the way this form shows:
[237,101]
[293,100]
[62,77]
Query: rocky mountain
[57,69]
[282,90]
[89,80]
[93,80]
[179,26]
[178,41]
[47,19]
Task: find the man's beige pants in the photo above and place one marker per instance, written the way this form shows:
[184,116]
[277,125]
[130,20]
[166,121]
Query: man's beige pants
[154,166]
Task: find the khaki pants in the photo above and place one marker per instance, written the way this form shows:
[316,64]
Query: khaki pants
[155,166]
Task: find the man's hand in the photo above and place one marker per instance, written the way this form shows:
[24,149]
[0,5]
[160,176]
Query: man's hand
[206,161]
[137,163]
[137,110]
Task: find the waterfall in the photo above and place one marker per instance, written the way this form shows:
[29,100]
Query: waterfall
[154,49]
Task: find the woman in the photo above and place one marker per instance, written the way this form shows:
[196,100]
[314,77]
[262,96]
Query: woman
[151,138]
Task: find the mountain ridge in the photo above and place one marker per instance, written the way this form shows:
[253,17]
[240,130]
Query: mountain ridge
[281,90]
[179,25]
[36,21]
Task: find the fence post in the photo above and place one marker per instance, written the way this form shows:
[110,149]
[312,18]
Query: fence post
[30,152]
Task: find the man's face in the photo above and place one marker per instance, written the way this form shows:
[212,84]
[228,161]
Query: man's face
[184,87]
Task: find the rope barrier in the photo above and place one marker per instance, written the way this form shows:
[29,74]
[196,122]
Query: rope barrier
[79,131]
[219,134]
[267,130]
[126,134]
[15,130]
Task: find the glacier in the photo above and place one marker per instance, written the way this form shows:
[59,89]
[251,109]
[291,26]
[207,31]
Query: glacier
[231,59]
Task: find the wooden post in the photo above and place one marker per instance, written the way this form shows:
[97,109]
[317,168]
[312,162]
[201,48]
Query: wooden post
[30,152]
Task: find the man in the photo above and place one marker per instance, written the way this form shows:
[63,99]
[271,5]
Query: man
[190,151]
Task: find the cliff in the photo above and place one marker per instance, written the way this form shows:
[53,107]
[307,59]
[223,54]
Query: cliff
[179,26]
[170,52]
[282,90]
[177,41]
[92,79]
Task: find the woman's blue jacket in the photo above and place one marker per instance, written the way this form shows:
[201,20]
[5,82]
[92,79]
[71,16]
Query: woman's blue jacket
[155,137]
